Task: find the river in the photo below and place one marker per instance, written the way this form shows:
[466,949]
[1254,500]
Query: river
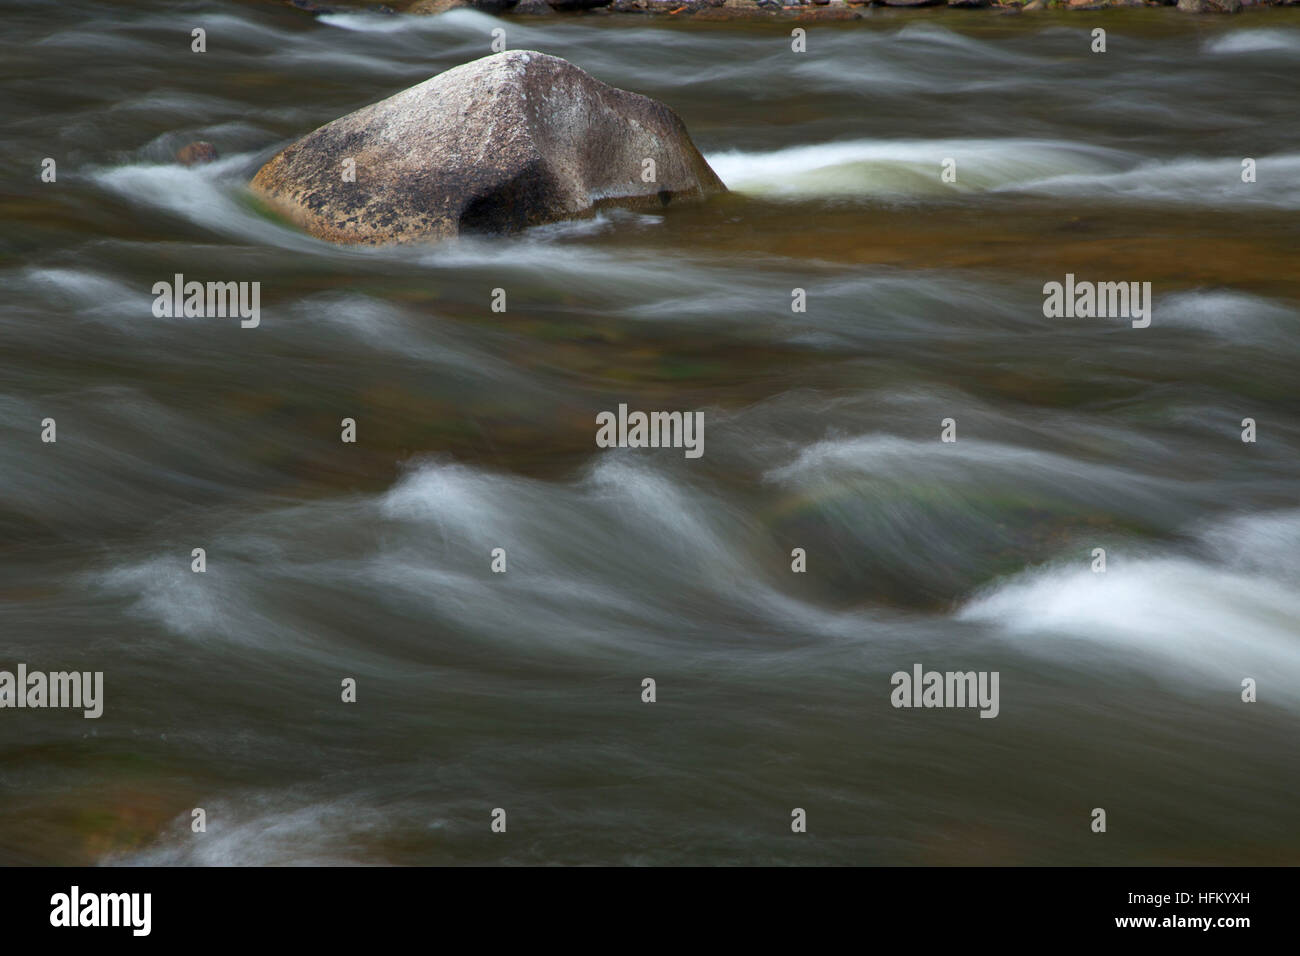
[522,690]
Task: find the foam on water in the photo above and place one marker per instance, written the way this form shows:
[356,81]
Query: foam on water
[1190,182]
[912,461]
[265,830]
[1172,616]
[1267,544]
[1256,41]
[459,21]
[911,169]
[93,295]
[585,561]
[1230,314]
[206,197]
[908,168]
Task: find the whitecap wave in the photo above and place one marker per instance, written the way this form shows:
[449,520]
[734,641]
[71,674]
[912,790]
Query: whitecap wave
[911,169]
[907,168]
[1255,41]
[1217,617]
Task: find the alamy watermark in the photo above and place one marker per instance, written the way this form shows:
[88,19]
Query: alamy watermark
[36,689]
[212,300]
[74,909]
[948,689]
[1098,300]
[651,430]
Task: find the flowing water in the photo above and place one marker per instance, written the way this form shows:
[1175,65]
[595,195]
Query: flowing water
[478,690]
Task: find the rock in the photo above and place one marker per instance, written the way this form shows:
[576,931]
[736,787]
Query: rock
[913,3]
[965,4]
[509,141]
[310,6]
[577,4]
[532,8]
[1035,5]
[442,6]
[1209,6]
[197,153]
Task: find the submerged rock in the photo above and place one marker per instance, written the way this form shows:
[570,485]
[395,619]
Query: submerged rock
[197,153]
[509,141]
[1209,6]
[442,6]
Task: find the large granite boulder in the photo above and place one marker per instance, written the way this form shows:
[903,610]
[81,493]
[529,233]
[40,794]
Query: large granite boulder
[509,141]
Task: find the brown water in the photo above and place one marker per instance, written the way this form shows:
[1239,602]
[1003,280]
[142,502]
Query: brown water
[476,430]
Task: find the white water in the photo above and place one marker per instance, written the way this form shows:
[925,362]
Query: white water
[477,689]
